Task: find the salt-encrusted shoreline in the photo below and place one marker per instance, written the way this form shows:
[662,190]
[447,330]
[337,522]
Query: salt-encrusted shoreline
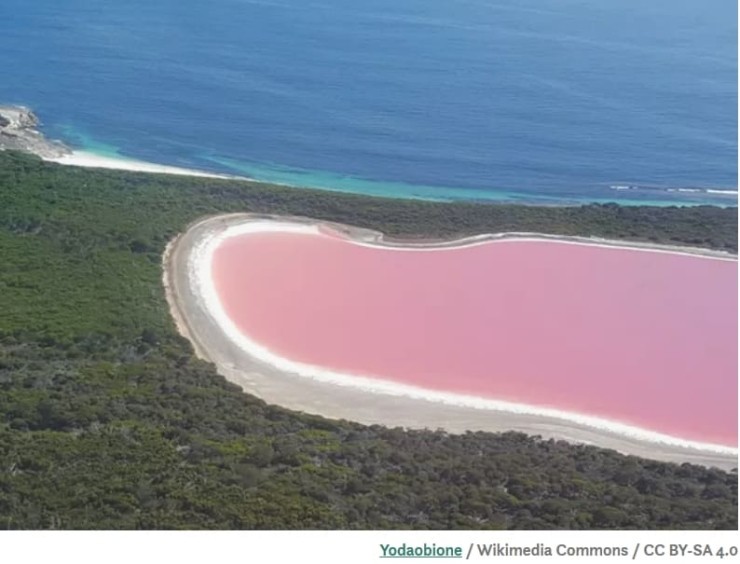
[196,308]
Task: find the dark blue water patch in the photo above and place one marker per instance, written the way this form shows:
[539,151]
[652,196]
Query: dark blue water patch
[475,100]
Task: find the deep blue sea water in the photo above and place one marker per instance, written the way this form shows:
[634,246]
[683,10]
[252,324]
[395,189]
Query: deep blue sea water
[529,100]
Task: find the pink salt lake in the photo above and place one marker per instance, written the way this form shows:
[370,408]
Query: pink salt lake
[644,338]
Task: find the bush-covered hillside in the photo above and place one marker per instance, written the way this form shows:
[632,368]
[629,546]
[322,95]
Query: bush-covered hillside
[107,420]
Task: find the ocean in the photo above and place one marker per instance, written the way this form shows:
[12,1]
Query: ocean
[538,101]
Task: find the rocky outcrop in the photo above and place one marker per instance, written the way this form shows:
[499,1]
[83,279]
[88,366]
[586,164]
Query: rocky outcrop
[18,132]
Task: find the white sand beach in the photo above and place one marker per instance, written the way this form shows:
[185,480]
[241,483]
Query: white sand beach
[91,160]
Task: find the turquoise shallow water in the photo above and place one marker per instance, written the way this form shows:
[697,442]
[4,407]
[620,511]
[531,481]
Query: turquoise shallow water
[541,101]
[80,140]
[324,180]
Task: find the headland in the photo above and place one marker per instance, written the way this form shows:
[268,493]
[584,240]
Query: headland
[19,132]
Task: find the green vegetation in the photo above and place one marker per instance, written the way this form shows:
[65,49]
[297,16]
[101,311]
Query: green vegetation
[107,420]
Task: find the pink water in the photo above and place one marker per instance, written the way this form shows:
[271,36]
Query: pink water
[648,339]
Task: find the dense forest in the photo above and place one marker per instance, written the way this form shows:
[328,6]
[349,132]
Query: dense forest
[107,419]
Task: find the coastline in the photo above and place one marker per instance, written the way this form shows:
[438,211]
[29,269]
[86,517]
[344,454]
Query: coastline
[198,316]
[87,159]
[20,130]
[91,160]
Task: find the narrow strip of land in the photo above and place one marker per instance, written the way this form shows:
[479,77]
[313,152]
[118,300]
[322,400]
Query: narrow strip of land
[91,160]
[196,321]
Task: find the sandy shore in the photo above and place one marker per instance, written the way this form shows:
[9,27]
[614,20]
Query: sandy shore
[19,131]
[90,160]
[278,381]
